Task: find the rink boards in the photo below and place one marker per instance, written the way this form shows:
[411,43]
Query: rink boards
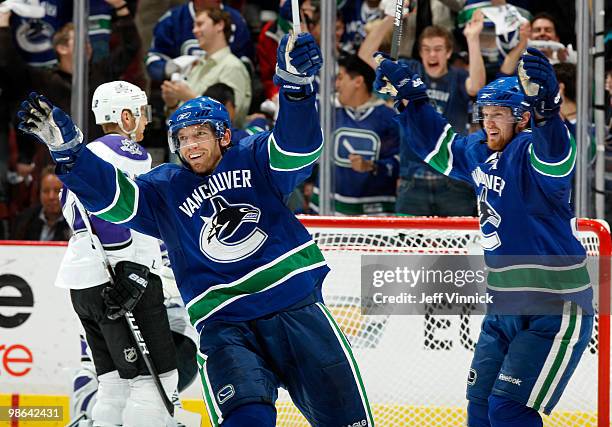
[39,352]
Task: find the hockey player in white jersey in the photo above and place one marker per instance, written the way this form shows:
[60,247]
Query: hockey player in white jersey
[248,271]
[126,392]
[541,318]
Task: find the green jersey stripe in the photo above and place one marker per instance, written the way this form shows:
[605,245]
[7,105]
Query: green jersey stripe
[558,169]
[566,340]
[216,297]
[540,279]
[214,413]
[284,161]
[441,158]
[125,204]
[348,351]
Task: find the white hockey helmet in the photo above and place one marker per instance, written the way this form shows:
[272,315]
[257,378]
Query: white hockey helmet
[110,99]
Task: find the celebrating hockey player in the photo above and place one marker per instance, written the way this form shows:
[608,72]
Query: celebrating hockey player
[127,394]
[248,271]
[537,274]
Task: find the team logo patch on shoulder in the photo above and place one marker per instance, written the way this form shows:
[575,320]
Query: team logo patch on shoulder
[231,233]
[131,147]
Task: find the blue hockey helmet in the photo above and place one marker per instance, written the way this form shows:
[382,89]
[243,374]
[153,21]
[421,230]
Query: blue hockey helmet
[197,111]
[503,92]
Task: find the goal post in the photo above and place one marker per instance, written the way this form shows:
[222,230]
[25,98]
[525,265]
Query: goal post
[415,367]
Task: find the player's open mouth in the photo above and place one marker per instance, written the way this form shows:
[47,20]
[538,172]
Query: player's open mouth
[433,64]
[195,156]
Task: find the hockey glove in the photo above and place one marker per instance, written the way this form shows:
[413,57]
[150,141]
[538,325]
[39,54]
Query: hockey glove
[398,81]
[539,83]
[298,61]
[51,126]
[131,281]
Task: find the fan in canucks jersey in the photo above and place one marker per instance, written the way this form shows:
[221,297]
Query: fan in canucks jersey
[366,145]
[522,179]
[248,271]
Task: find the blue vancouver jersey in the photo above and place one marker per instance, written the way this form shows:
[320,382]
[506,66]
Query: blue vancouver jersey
[371,132]
[528,227]
[33,37]
[238,253]
[173,37]
[355,15]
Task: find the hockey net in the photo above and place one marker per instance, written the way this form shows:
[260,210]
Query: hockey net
[415,367]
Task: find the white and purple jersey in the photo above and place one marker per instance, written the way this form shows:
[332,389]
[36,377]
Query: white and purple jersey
[82,267]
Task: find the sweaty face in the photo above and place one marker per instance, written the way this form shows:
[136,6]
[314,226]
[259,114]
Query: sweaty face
[435,56]
[199,147]
[543,29]
[50,187]
[498,123]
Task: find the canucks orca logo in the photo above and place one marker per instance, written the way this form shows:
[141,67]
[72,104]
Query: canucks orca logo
[488,215]
[34,36]
[226,237]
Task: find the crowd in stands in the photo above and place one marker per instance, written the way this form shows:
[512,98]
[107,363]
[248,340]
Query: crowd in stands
[177,50]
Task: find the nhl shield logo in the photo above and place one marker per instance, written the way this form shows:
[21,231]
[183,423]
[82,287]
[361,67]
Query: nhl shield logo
[130,354]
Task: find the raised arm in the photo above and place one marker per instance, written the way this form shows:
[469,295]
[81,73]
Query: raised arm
[296,141]
[553,149]
[508,67]
[477,75]
[428,133]
[103,189]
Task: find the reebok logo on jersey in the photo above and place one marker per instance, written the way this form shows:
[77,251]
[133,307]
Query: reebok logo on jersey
[226,393]
[509,379]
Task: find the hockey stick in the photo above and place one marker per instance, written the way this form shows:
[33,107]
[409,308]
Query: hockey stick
[398,19]
[129,317]
[295,17]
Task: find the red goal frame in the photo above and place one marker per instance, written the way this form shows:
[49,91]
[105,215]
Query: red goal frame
[468,223]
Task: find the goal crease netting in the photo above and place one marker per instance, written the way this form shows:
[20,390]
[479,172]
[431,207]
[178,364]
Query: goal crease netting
[415,367]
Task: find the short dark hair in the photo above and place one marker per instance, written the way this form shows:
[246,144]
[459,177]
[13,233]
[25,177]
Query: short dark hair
[355,66]
[547,16]
[218,15]
[566,74]
[221,92]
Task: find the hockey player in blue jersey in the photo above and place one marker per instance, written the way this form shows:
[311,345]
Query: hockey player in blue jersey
[537,273]
[248,271]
